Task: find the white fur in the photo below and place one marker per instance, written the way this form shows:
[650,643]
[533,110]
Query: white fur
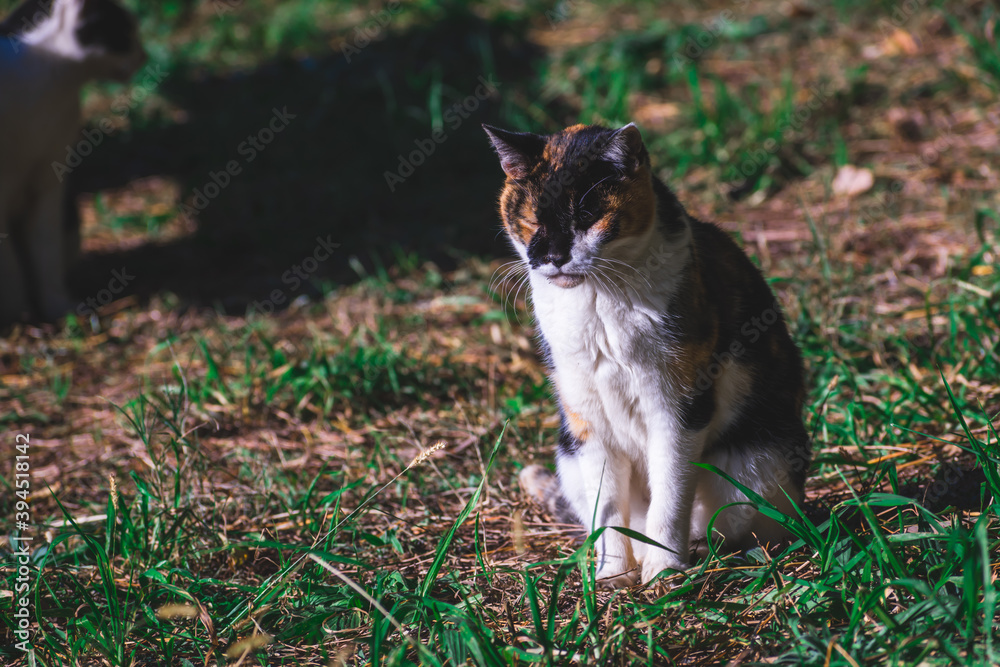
[612,355]
[41,73]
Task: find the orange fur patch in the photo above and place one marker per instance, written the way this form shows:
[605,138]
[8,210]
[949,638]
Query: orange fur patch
[578,426]
[692,357]
[634,210]
[554,153]
[521,223]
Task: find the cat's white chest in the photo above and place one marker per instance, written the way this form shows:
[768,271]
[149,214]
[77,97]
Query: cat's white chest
[608,358]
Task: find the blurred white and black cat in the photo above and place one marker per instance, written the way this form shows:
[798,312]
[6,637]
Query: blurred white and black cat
[48,51]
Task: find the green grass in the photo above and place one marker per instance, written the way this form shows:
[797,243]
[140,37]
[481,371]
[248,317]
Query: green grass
[225,481]
[982,43]
[723,126]
[883,578]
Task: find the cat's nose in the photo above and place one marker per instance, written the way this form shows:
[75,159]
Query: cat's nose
[556,259]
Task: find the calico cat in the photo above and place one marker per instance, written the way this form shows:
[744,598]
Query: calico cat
[48,50]
[665,348]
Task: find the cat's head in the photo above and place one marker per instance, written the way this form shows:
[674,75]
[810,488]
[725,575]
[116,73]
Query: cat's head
[575,197]
[100,34]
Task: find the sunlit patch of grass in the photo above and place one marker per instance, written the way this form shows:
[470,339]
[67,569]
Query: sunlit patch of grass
[750,133]
[882,571]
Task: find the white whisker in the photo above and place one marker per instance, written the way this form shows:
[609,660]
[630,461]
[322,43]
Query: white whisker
[513,293]
[580,203]
[625,280]
[517,311]
[609,283]
[639,273]
[506,275]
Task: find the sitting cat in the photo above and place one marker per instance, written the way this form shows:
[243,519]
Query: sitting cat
[665,347]
[48,50]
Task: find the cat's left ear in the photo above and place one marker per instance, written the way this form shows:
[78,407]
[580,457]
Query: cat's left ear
[626,150]
[518,151]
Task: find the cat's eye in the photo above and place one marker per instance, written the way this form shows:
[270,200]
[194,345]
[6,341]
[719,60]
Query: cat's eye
[585,216]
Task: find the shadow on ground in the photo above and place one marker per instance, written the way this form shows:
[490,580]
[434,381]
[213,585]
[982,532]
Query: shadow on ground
[322,176]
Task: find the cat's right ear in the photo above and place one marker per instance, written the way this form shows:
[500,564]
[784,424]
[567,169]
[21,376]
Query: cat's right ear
[518,151]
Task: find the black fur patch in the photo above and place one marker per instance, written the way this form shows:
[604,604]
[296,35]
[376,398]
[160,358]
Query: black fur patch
[697,411]
[106,24]
[746,329]
[568,443]
[670,210]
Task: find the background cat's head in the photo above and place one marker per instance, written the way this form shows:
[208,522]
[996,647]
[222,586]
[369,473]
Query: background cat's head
[100,34]
[575,196]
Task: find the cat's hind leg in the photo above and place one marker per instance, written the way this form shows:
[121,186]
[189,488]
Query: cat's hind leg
[768,472]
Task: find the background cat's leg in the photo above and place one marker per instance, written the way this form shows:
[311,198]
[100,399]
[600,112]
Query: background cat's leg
[72,228]
[44,245]
[13,295]
[672,481]
[596,484]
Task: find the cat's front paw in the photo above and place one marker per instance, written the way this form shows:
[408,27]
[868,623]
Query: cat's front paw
[616,570]
[654,563]
[608,580]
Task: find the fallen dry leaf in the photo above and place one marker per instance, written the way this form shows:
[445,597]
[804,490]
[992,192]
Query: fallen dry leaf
[900,41]
[851,180]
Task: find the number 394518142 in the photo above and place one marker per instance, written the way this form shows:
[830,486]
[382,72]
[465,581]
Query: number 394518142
[21,466]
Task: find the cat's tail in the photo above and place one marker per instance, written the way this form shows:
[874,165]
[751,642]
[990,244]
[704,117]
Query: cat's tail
[539,484]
